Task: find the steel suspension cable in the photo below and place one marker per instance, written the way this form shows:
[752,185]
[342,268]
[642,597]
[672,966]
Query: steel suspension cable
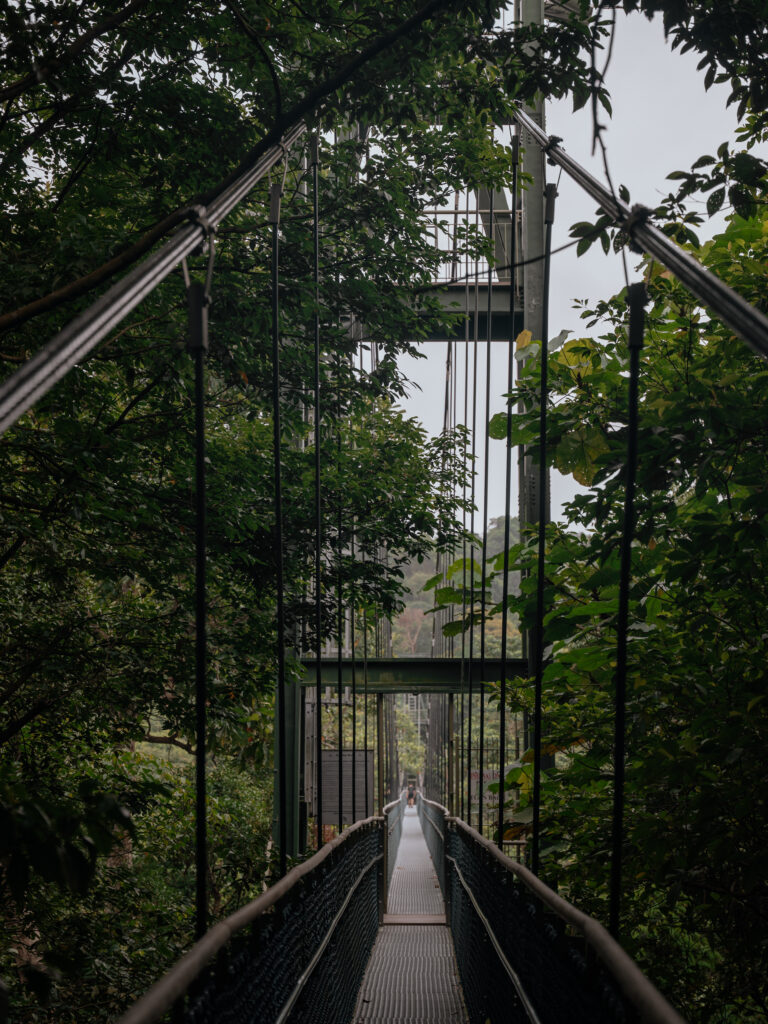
[198,299]
[315,162]
[339,601]
[507,493]
[538,638]
[637,297]
[472,533]
[745,320]
[354,684]
[72,344]
[365,704]
[464,516]
[274,219]
[484,548]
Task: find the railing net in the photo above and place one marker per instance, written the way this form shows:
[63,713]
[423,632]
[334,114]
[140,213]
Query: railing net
[256,975]
[523,953]
[433,817]
[555,970]
[393,814]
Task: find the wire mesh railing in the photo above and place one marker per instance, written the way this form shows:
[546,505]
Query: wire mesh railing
[433,817]
[297,953]
[393,816]
[524,953]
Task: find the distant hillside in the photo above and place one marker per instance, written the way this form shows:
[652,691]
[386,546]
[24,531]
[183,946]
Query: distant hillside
[412,631]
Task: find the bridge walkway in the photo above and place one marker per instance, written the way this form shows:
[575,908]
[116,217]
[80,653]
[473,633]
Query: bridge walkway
[412,977]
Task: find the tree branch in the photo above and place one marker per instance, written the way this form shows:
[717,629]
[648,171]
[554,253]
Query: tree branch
[51,63]
[309,104]
[168,741]
[253,36]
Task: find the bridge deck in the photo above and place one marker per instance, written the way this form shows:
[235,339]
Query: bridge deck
[412,976]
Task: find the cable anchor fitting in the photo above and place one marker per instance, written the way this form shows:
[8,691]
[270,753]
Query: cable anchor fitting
[199,294]
[639,215]
[552,143]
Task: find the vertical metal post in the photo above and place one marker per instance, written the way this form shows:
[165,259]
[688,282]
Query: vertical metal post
[198,346]
[380,746]
[637,299]
[451,756]
[538,633]
[533,164]
[486,454]
[274,220]
[507,493]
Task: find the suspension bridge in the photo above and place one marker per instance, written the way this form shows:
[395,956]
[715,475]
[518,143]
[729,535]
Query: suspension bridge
[407,914]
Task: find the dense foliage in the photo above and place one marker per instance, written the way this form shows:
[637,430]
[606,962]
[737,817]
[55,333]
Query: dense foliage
[696,828]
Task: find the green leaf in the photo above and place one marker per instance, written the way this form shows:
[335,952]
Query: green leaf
[715,201]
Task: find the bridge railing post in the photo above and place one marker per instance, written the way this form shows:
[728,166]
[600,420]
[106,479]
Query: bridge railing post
[383,870]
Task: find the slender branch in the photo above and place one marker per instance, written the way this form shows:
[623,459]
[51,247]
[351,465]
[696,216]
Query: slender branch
[138,397]
[310,104]
[168,741]
[50,64]
[17,724]
[253,36]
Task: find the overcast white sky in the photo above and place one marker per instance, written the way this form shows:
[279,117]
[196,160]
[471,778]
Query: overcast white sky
[663,120]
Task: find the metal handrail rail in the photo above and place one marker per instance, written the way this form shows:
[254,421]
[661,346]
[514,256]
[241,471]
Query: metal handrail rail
[159,999]
[744,319]
[445,811]
[639,990]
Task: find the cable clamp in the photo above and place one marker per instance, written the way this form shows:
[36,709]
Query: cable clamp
[639,215]
[552,142]
[198,215]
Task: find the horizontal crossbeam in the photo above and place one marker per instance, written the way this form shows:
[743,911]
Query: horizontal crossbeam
[413,675]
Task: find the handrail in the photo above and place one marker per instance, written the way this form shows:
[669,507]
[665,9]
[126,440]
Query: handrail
[744,319]
[67,348]
[641,992]
[163,994]
[445,812]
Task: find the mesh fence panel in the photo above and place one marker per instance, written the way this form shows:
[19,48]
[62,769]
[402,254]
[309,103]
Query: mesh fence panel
[561,978]
[256,972]
[393,815]
[433,821]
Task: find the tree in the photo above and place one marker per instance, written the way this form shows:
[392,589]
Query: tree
[696,824]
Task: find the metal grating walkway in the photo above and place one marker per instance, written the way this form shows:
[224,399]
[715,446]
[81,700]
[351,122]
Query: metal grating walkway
[412,976]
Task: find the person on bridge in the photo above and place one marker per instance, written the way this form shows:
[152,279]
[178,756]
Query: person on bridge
[411,794]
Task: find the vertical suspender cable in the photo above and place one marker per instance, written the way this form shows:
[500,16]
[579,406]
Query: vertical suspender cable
[198,298]
[637,299]
[354,687]
[464,515]
[339,606]
[365,705]
[315,161]
[274,220]
[483,570]
[507,492]
[538,639]
[472,532]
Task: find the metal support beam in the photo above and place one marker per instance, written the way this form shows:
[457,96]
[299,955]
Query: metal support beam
[415,675]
